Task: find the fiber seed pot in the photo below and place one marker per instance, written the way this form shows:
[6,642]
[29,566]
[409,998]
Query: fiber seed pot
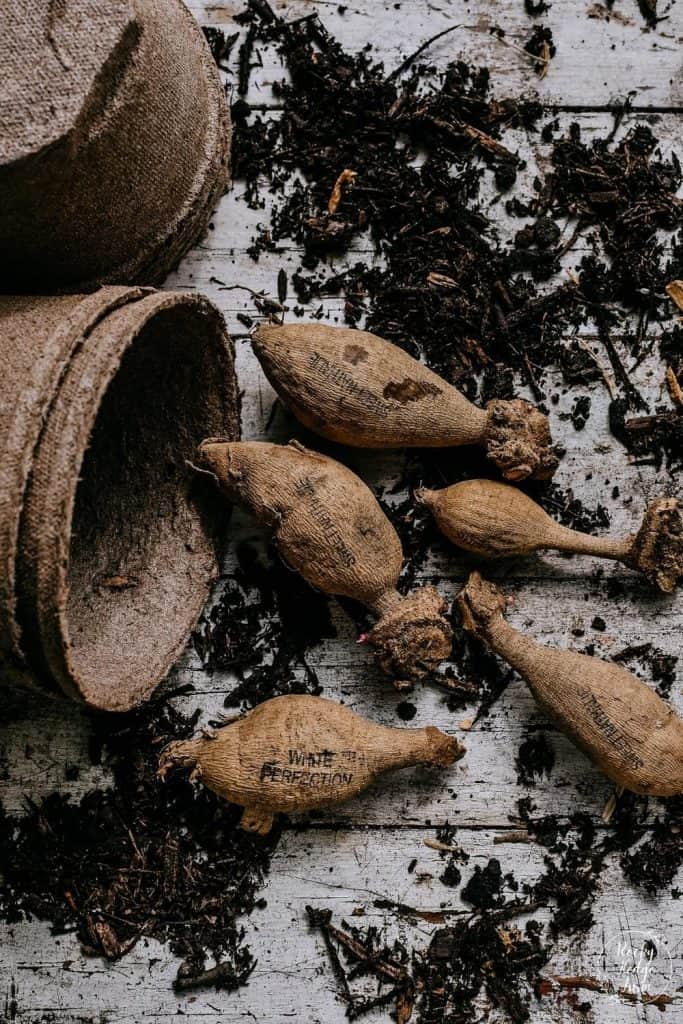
[329,526]
[356,388]
[108,540]
[114,142]
[299,753]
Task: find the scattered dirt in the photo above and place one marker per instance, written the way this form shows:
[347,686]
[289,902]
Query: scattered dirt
[141,859]
[399,162]
[166,860]
[497,948]
[653,663]
[489,314]
[655,863]
[535,760]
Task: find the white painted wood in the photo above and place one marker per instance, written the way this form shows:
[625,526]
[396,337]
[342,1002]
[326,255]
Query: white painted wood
[598,60]
[480,790]
[344,871]
[362,851]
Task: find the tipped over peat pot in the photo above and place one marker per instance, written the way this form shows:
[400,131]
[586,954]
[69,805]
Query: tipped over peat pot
[107,536]
[114,142]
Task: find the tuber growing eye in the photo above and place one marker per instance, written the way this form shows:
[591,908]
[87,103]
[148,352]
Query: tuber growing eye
[329,527]
[298,753]
[496,521]
[630,733]
[353,387]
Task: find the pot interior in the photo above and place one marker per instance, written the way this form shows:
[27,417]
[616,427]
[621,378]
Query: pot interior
[142,551]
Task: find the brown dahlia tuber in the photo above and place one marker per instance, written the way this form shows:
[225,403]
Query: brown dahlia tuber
[329,526]
[496,521]
[354,387]
[630,733]
[298,753]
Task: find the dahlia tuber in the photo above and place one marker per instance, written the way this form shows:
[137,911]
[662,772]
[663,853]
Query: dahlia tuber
[630,733]
[330,528]
[354,387]
[297,753]
[496,521]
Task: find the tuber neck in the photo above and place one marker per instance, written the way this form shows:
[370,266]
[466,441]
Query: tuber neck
[463,422]
[565,539]
[425,496]
[517,649]
[386,602]
[405,747]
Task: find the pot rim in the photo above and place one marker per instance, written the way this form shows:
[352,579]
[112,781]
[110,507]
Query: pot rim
[52,553]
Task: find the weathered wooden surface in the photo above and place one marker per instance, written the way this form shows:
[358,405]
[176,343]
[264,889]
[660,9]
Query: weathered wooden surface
[339,869]
[361,852]
[599,60]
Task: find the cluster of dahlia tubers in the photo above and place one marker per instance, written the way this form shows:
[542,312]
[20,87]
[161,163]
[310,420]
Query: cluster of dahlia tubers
[298,753]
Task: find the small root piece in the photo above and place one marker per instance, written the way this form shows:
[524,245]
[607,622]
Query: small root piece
[518,440]
[675,292]
[436,844]
[657,549]
[674,387]
[543,60]
[181,754]
[443,750]
[609,382]
[257,820]
[413,637]
[344,179]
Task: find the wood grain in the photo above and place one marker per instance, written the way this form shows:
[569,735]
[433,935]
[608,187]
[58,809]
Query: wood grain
[345,871]
[361,852]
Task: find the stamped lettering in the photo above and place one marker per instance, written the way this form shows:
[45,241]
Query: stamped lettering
[304,488]
[339,376]
[276,773]
[316,769]
[609,730]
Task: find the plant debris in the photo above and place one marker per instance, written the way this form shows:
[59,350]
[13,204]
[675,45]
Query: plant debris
[497,949]
[658,665]
[401,162]
[491,315]
[655,863]
[541,47]
[535,759]
[447,288]
[220,44]
[146,859]
[260,627]
[138,860]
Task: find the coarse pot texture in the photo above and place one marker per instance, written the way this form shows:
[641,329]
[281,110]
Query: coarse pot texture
[107,536]
[114,142]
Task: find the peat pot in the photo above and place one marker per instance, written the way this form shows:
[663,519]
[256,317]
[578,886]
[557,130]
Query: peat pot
[107,534]
[114,141]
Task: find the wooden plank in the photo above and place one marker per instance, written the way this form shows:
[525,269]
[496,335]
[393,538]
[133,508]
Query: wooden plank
[481,790]
[346,872]
[599,60]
